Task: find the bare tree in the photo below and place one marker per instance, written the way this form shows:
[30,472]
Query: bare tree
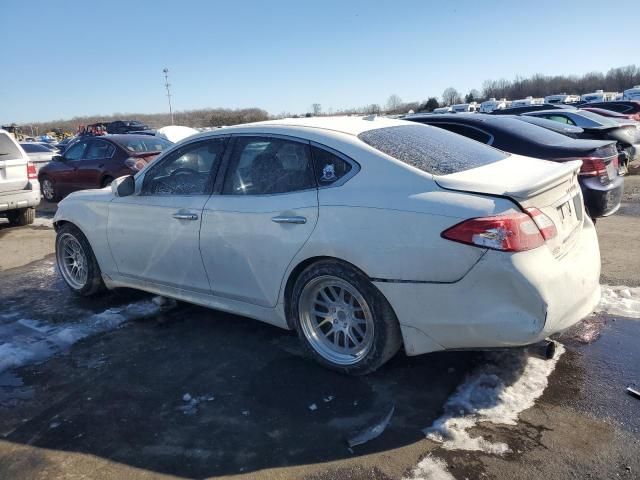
[394,103]
[451,96]
[316,108]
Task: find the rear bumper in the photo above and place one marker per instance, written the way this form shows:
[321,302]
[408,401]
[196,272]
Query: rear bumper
[602,200]
[20,198]
[505,300]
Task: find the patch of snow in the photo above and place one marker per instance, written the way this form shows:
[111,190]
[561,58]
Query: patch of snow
[328,398]
[496,392]
[313,407]
[372,431]
[24,341]
[430,468]
[623,301]
[186,397]
[43,222]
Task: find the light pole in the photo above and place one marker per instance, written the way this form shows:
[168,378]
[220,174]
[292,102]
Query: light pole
[167,85]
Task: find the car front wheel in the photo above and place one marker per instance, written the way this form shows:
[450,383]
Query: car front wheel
[76,261]
[343,320]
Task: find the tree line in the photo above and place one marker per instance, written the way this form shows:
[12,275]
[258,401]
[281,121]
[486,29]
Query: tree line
[206,117]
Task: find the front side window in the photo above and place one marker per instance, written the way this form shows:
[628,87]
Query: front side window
[329,168]
[149,143]
[76,152]
[431,149]
[267,165]
[99,150]
[187,171]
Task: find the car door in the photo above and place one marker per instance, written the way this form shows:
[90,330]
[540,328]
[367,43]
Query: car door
[90,171]
[154,234]
[66,177]
[259,218]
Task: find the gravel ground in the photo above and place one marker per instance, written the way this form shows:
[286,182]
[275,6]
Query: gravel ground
[187,392]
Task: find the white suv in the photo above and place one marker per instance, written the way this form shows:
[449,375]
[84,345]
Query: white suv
[19,187]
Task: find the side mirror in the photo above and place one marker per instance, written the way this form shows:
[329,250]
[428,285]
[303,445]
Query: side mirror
[57,158]
[123,186]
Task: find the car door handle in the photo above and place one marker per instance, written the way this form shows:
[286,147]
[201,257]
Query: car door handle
[295,219]
[185,216]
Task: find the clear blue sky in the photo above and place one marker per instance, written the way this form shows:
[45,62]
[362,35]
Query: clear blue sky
[67,58]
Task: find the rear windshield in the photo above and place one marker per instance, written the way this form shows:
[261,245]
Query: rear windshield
[430,149]
[8,149]
[150,144]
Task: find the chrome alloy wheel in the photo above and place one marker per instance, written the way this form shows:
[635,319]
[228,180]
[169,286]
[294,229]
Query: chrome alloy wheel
[47,189]
[72,261]
[336,320]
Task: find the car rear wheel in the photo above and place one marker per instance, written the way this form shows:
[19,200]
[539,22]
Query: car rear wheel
[343,320]
[76,261]
[21,217]
[49,191]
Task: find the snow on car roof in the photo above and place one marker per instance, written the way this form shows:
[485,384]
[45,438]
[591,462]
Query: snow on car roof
[353,125]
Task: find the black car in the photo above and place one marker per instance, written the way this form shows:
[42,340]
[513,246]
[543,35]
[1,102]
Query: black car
[629,108]
[532,108]
[599,179]
[126,126]
[597,127]
[567,130]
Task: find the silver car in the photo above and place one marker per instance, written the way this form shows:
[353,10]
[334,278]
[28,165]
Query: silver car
[19,187]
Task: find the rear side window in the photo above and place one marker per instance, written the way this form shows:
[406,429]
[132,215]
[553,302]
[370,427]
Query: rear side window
[430,149]
[99,150]
[329,168]
[8,149]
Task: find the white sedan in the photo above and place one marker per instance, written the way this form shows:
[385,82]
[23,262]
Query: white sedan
[363,234]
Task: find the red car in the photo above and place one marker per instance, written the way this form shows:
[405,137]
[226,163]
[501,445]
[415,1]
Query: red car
[629,108]
[93,162]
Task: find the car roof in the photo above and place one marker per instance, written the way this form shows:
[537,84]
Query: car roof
[352,125]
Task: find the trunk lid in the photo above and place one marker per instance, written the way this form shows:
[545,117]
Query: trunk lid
[13,165]
[550,187]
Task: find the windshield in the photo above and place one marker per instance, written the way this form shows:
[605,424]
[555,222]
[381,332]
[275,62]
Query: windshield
[430,149]
[147,144]
[590,119]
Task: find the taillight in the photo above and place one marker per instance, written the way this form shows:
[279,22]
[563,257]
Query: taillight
[593,167]
[32,174]
[513,232]
[136,164]
[545,224]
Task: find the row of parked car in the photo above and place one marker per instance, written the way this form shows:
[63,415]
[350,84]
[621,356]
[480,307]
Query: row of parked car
[597,134]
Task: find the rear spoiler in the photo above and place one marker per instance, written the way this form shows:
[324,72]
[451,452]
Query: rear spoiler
[523,182]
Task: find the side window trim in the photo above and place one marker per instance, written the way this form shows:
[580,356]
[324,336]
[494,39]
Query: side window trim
[219,186]
[168,155]
[355,166]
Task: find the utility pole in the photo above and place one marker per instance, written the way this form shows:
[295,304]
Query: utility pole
[167,85]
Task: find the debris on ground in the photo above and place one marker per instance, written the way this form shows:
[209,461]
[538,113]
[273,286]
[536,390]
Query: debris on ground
[633,392]
[372,431]
[191,407]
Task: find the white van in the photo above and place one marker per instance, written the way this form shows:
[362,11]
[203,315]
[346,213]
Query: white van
[19,187]
[632,93]
[562,98]
[599,96]
[465,107]
[492,104]
[523,102]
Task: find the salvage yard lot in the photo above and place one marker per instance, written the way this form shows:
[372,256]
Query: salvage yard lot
[182,391]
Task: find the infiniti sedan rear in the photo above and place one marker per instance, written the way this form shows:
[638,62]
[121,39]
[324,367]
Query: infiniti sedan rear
[364,235]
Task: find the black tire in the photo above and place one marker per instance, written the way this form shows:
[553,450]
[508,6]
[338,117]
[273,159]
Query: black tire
[387,337]
[107,181]
[93,283]
[52,197]
[21,217]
